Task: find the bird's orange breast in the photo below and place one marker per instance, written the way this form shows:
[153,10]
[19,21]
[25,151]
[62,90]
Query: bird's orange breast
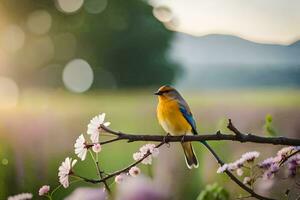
[171,119]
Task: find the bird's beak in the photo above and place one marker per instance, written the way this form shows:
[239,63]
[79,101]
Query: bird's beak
[157,93]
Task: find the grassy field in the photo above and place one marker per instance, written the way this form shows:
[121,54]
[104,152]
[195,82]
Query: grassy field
[40,132]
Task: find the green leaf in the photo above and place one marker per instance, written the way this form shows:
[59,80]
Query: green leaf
[213,192]
[268,126]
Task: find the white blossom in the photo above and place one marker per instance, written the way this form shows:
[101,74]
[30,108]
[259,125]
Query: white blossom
[137,156]
[94,127]
[22,196]
[64,171]
[80,147]
[239,171]
[247,180]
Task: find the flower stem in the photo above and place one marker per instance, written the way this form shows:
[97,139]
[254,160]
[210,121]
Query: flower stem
[59,186]
[99,172]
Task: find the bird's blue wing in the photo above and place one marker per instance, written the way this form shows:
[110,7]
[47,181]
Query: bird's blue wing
[188,116]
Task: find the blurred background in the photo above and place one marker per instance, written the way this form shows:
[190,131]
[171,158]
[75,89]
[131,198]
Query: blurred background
[64,61]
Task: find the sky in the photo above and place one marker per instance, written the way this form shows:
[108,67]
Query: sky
[261,21]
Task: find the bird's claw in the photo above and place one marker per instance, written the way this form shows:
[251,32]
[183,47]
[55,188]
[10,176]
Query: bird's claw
[183,139]
[166,140]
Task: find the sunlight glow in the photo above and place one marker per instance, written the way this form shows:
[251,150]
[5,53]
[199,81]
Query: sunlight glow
[268,21]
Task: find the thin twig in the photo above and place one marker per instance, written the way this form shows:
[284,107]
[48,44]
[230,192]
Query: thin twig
[286,158]
[99,172]
[231,127]
[233,178]
[124,170]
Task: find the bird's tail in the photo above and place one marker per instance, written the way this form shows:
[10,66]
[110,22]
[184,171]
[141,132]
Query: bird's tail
[190,156]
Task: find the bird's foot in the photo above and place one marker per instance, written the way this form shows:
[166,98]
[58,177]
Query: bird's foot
[166,139]
[183,139]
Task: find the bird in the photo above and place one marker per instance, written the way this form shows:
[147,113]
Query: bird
[175,117]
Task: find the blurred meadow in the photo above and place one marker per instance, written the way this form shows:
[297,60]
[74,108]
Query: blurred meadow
[63,62]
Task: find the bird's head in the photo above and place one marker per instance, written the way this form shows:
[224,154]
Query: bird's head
[167,92]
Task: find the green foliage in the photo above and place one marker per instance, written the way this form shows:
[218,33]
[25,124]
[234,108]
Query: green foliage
[268,126]
[125,44]
[214,192]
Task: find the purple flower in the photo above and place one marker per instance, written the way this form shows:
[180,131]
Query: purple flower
[266,164]
[87,194]
[268,174]
[250,156]
[292,164]
[222,169]
[139,188]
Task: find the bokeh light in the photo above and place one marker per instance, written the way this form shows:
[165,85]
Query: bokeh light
[9,93]
[163,13]
[4,161]
[39,52]
[69,6]
[39,22]
[95,6]
[12,38]
[78,76]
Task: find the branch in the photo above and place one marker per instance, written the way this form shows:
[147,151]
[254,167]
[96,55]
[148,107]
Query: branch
[233,178]
[124,170]
[238,137]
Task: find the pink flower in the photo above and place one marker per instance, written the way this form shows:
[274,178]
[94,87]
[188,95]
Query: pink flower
[134,171]
[137,156]
[154,152]
[285,151]
[147,148]
[120,178]
[147,160]
[96,148]
[44,190]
